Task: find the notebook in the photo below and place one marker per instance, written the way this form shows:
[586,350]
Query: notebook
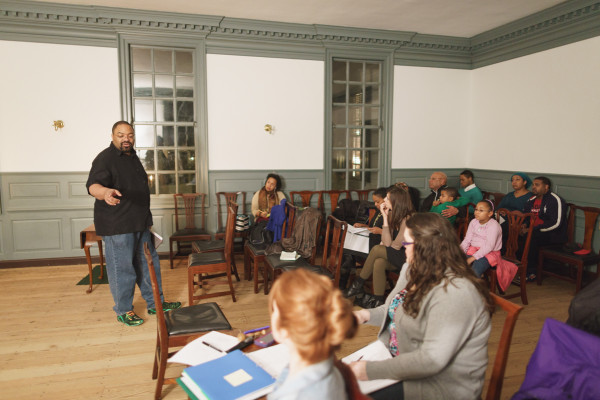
[375,351]
[231,377]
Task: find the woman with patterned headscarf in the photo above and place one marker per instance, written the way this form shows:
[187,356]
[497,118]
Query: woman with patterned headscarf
[267,197]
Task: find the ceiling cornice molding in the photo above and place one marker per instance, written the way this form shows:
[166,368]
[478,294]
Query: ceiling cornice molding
[98,26]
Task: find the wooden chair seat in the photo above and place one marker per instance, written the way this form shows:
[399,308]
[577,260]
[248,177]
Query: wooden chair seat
[177,328]
[561,255]
[202,246]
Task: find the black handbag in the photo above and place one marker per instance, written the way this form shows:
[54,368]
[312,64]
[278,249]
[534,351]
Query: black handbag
[259,234]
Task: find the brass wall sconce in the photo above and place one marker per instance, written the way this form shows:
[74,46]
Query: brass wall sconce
[269,128]
[58,125]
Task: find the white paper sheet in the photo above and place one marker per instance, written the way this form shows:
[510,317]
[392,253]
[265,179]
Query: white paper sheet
[375,351]
[196,352]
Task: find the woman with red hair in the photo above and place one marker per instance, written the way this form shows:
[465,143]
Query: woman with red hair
[312,319]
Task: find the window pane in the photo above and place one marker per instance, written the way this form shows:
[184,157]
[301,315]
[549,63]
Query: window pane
[355,115]
[339,137]
[355,94]
[187,183]
[355,138]
[166,160]
[165,136]
[356,72]
[339,115]
[372,94]
[338,93]
[142,85]
[372,117]
[164,85]
[355,180]
[356,159]
[166,184]
[147,159]
[143,110]
[187,160]
[371,179]
[372,72]
[141,59]
[371,137]
[185,136]
[339,159]
[163,61]
[184,63]
[185,111]
[338,181]
[152,183]
[144,136]
[339,71]
[164,110]
[185,86]
[371,159]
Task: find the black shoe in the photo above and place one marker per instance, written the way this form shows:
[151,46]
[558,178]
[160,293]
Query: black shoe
[355,288]
[373,302]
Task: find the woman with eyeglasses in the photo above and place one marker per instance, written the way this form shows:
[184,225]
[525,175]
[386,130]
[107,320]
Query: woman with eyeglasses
[396,209]
[435,322]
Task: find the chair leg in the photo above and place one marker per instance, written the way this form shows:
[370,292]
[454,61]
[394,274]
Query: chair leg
[579,278]
[190,287]
[247,265]
[524,288]
[161,372]
[256,275]
[231,287]
[156,357]
[266,278]
[234,268]
[171,252]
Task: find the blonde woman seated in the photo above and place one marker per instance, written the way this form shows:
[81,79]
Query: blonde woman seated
[312,319]
[435,322]
[267,197]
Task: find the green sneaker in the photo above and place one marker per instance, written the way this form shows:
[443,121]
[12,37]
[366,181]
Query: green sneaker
[130,319]
[167,306]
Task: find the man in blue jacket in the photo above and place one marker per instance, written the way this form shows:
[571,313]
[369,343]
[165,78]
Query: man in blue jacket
[549,224]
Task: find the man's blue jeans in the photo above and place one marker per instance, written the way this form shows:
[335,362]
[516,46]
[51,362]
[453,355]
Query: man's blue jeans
[126,266]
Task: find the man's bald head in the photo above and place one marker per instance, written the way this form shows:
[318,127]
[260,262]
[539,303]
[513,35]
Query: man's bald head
[437,180]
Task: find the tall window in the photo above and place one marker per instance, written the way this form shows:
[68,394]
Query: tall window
[163,102]
[357,124]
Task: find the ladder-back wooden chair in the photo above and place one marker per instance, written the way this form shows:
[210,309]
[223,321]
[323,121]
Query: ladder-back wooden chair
[334,197]
[306,198]
[190,232]
[224,198]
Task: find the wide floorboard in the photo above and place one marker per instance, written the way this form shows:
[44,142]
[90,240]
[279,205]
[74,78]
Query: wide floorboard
[57,342]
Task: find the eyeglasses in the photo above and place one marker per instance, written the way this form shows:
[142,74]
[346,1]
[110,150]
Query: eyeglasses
[407,243]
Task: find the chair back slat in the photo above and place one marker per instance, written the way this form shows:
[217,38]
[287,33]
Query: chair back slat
[224,198]
[591,217]
[160,314]
[515,220]
[306,198]
[363,195]
[232,209]
[290,220]
[334,196]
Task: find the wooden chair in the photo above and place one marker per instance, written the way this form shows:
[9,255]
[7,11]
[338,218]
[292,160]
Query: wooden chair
[331,262]
[568,258]
[512,312]
[306,198]
[334,196]
[273,264]
[255,255]
[178,327]
[214,264]
[462,223]
[228,197]
[363,195]
[190,232]
[515,219]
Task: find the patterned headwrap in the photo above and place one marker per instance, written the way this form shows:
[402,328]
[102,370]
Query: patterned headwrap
[525,177]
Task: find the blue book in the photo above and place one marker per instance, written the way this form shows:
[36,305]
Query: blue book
[231,377]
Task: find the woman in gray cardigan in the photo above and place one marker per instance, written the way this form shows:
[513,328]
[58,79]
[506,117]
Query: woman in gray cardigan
[436,321]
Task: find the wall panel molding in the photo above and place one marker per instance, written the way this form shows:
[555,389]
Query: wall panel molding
[564,23]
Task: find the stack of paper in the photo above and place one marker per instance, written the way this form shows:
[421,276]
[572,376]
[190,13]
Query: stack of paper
[375,351]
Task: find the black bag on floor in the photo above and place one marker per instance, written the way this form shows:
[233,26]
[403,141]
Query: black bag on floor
[259,234]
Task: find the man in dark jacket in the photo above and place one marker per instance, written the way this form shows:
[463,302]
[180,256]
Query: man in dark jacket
[437,182]
[549,224]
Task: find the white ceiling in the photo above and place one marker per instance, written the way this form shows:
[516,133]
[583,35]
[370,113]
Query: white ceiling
[463,18]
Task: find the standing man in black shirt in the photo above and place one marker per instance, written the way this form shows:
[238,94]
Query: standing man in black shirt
[122,217]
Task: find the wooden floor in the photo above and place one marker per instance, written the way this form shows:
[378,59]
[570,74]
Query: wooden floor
[57,342]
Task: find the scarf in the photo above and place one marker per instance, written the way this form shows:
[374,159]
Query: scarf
[266,200]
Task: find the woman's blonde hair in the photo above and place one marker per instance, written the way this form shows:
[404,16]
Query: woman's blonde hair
[315,315]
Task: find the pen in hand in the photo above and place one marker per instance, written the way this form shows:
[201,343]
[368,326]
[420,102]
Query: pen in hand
[360,358]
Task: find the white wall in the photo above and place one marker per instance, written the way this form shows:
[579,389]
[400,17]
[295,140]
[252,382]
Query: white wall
[430,117]
[539,113]
[245,93]
[46,82]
